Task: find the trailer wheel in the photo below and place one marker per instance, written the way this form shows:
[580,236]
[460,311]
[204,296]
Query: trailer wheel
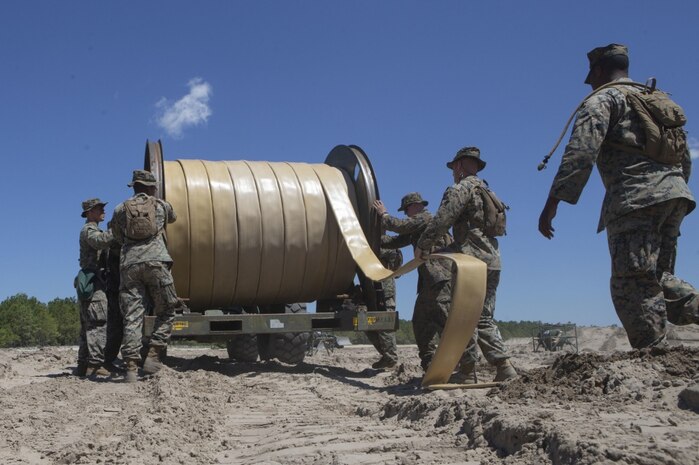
[243,348]
[264,347]
[290,347]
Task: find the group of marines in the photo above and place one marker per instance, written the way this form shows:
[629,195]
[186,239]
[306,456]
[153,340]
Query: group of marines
[646,200]
[143,280]
[645,203]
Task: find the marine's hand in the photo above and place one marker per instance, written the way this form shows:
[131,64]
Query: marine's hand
[421,254]
[547,216]
[380,208]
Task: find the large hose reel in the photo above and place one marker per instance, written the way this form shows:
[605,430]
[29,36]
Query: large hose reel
[267,233]
[257,233]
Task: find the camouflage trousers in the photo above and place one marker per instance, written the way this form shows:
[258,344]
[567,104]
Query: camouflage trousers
[115,327]
[93,329]
[487,335]
[385,341]
[141,283]
[429,317]
[645,291]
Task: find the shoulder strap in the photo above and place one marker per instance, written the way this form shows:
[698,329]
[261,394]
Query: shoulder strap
[650,85]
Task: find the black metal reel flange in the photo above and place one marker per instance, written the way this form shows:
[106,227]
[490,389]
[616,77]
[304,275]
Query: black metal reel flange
[357,168]
[153,162]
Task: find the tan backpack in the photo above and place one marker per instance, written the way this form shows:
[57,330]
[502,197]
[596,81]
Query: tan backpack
[662,121]
[141,222]
[494,216]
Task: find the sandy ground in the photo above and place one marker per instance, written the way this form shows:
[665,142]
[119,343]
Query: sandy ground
[606,405]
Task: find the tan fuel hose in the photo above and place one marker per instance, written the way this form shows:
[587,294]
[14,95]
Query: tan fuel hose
[468,292]
[263,232]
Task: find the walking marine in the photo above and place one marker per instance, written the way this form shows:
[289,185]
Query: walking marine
[465,208]
[139,225]
[434,277]
[645,166]
[90,286]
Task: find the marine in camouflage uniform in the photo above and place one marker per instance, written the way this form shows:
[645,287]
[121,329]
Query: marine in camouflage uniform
[93,310]
[643,207]
[462,210]
[434,276]
[145,275]
[385,341]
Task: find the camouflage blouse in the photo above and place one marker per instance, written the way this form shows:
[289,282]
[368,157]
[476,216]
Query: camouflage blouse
[462,210]
[149,250]
[631,180]
[93,241]
[409,230]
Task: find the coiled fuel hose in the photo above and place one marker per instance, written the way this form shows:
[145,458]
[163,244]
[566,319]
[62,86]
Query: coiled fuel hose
[254,232]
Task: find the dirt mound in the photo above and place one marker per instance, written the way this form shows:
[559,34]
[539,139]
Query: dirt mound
[584,377]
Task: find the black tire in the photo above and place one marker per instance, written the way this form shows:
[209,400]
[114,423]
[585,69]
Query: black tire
[290,347]
[243,348]
[264,347]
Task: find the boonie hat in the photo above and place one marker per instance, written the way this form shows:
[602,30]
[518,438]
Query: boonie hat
[142,177]
[468,152]
[89,204]
[598,54]
[409,199]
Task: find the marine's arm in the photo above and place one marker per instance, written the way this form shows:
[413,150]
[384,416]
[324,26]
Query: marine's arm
[395,242]
[98,240]
[403,225]
[687,164]
[397,225]
[169,211]
[115,225]
[589,131]
[450,208]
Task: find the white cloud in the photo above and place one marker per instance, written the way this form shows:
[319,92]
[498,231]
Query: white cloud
[191,110]
[693,147]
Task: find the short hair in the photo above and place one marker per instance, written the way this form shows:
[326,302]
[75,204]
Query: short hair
[614,63]
[141,188]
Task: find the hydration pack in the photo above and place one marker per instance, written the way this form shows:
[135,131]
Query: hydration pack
[662,121]
[141,223]
[661,118]
[494,217]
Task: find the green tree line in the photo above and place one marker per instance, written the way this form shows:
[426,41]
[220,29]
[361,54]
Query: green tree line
[25,321]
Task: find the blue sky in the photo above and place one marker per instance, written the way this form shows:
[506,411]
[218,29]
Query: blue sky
[84,84]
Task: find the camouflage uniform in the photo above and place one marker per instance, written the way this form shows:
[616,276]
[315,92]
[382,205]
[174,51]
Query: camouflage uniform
[434,282]
[93,312]
[643,207]
[462,209]
[145,274]
[385,341]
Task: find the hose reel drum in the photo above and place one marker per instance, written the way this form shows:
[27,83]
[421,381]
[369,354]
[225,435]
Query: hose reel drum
[259,233]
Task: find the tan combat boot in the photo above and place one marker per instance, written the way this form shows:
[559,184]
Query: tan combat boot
[97,371]
[465,375]
[384,362]
[152,364]
[504,370]
[131,371]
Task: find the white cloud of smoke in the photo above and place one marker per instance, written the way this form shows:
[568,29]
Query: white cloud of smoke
[191,110]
